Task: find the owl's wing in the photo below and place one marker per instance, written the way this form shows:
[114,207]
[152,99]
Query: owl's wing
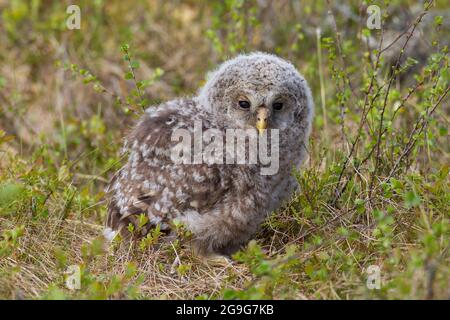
[151,183]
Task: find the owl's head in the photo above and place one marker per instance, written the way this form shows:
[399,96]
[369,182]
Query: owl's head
[259,90]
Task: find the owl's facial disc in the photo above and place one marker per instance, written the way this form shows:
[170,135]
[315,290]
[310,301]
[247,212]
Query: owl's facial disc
[242,85]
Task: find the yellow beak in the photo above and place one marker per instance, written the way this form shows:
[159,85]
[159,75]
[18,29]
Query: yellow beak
[261,120]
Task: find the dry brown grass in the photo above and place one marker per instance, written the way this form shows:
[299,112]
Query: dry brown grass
[34,268]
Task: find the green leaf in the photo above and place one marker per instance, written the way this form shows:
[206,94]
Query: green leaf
[262,268]
[125,47]
[443,131]
[128,75]
[158,72]
[134,64]
[438,20]
[143,219]
[2,82]
[9,193]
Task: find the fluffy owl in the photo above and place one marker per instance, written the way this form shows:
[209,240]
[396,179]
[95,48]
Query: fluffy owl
[222,204]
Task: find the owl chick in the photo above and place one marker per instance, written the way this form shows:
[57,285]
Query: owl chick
[221,203]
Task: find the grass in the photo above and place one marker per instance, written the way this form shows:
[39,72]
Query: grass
[375,189]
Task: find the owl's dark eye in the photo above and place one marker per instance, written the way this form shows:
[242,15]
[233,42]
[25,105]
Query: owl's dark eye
[277,106]
[244,104]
